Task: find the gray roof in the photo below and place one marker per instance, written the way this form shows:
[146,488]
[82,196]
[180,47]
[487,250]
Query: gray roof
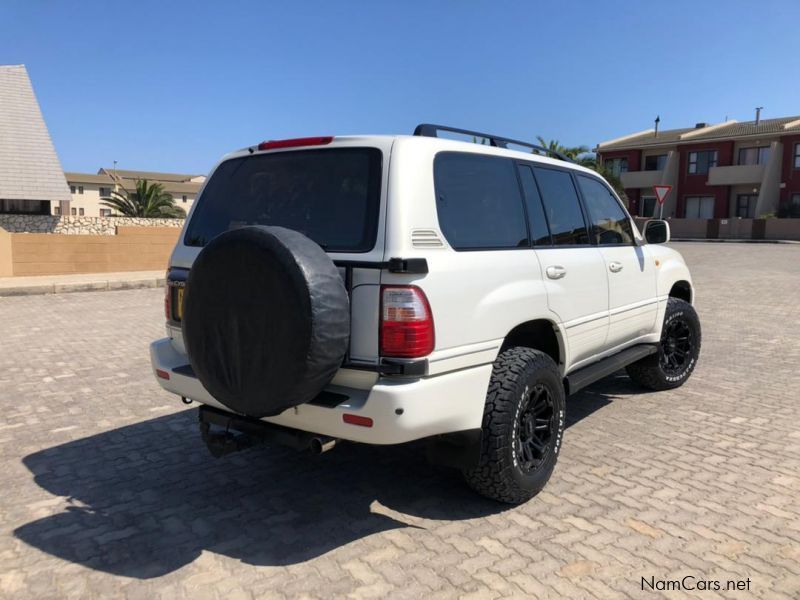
[148,175]
[29,165]
[722,131]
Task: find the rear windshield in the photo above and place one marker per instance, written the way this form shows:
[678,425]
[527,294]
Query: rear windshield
[332,196]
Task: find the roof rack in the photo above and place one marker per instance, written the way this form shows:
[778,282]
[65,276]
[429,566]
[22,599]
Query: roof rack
[429,130]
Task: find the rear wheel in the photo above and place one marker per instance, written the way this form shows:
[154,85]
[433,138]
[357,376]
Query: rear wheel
[523,425]
[678,351]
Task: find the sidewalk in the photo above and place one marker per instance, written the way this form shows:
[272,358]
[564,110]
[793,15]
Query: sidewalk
[61,284]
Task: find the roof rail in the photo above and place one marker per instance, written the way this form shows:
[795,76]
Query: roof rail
[429,130]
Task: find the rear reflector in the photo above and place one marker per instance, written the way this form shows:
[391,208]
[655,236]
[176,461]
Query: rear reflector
[406,322]
[162,374]
[357,420]
[296,142]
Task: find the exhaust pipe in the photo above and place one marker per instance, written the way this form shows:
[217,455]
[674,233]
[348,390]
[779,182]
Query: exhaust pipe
[320,444]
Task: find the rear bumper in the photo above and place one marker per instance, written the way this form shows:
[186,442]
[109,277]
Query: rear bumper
[401,409]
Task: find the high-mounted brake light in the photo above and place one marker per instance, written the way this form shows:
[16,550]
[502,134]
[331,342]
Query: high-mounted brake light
[407,329]
[296,142]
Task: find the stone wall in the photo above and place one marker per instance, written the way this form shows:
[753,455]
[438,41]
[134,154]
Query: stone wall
[78,225]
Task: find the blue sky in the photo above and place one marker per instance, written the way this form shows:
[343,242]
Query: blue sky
[172,85]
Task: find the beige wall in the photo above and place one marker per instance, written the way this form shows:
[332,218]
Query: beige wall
[6,267]
[132,249]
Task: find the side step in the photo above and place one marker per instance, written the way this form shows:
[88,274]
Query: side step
[611,364]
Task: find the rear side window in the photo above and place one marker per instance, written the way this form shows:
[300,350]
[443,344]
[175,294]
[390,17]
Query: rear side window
[562,207]
[610,224]
[540,234]
[332,196]
[479,202]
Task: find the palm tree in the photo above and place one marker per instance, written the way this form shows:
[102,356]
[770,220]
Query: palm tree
[572,152]
[148,200]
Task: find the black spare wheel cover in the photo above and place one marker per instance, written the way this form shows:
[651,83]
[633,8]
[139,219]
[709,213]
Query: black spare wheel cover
[266,319]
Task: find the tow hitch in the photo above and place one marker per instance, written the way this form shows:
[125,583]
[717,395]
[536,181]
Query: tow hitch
[225,433]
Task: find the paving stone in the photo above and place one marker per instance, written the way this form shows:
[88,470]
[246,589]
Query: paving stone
[108,491]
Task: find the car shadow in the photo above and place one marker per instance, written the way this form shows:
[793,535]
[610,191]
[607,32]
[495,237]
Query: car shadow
[146,499]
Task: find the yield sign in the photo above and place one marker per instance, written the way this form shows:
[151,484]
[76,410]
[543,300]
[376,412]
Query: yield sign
[661,192]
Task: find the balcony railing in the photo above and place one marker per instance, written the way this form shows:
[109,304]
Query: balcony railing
[735,175]
[641,179]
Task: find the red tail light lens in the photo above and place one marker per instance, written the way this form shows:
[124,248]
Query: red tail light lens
[167,298]
[296,142]
[406,322]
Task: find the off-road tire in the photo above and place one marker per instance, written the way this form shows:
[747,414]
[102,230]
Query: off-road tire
[651,371]
[500,474]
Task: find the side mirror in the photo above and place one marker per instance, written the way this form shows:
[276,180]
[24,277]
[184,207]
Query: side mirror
[656,232]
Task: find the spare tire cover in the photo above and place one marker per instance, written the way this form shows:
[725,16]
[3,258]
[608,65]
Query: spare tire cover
[266,320]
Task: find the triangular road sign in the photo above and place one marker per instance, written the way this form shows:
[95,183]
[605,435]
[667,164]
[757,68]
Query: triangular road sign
[661,192]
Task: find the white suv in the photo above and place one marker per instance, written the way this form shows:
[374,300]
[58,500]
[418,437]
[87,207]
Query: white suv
[386,289]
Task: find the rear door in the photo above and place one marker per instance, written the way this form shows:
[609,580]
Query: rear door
[630,271]
[574,270]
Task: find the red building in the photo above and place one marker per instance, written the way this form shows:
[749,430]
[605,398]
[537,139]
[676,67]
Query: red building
[731,169]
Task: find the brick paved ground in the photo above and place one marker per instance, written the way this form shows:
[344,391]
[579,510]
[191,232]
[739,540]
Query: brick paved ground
[107,491]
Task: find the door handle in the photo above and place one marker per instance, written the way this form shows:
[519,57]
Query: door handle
[615,267]
[556,272]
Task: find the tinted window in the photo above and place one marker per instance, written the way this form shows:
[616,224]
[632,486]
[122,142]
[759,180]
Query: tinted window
[478,201]
[562,207]
[332,196]
[610,224]
[540,234]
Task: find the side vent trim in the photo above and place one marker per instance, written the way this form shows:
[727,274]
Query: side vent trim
[426,238]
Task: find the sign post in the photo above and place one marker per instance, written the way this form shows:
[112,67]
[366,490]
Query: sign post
[661,195]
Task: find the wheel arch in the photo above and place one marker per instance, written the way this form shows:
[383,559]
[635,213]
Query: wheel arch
[683,290]
[539,334]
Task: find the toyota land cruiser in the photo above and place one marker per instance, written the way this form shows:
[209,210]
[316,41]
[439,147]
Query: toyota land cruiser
[383,289]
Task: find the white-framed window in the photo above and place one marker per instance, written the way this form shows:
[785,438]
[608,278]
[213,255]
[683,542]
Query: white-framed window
[105,192]
[701,161]
[699,207]
[754,156]
[647,206]
[746,206]
[105,212]
[656,162]
[81,212]
[80,189]
[56,210]
[74,212]
[72,189]
[616,165]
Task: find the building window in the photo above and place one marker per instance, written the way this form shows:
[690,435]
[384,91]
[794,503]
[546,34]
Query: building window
[701,162]
[74,211]
[72,189]
[699,207]
[80,189]
[647,206]
[746,206]
[105,212]
[80,212]
[184,199]
[616,165]
[56,210]
[797,156]
[794,206]
[655,163]
[754,156]
[105,192]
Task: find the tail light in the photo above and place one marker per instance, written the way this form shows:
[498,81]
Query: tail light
[406,322]
[167,298]
[296,142]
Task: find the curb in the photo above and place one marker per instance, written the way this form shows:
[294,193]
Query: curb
[84,286]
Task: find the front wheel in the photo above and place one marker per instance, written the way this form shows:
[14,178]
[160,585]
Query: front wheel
[523,425]
[678,351]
